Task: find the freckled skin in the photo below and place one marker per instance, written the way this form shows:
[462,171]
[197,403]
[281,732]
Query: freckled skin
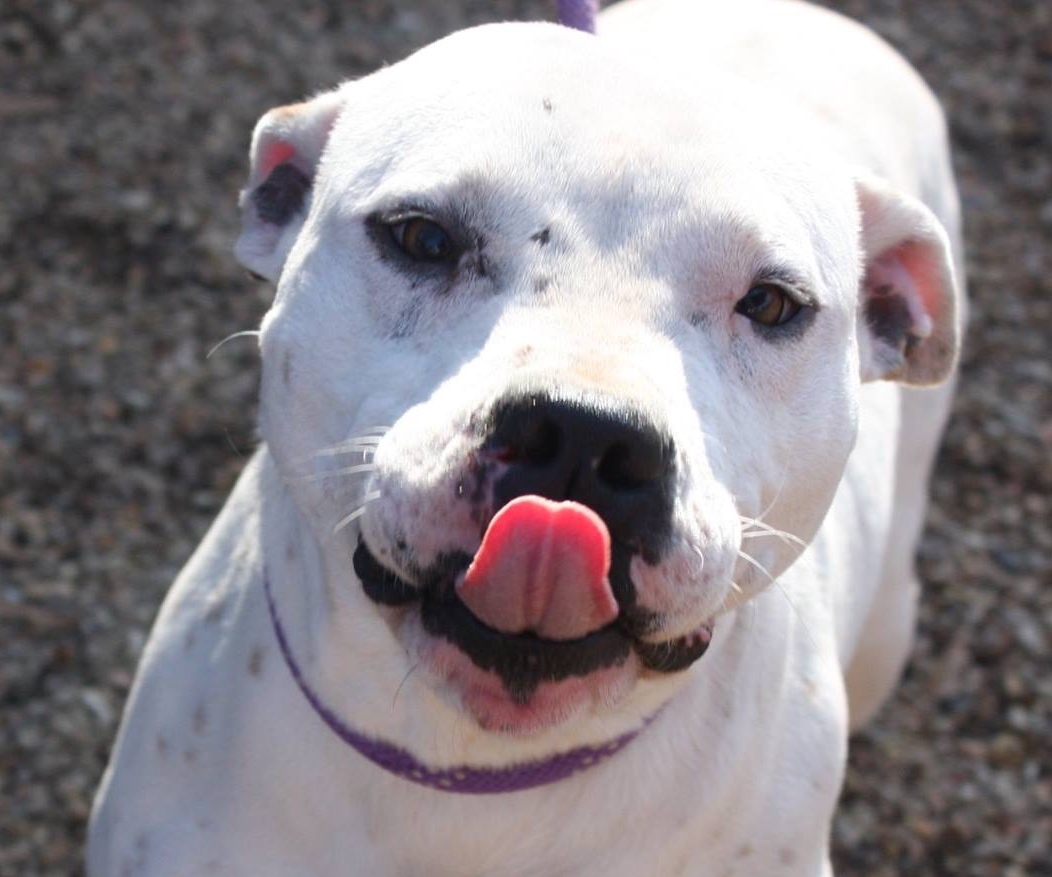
[255,661]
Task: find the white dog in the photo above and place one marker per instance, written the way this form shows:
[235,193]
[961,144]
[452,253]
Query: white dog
[582,531]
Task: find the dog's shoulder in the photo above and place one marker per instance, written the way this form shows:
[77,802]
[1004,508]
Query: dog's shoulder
[165,730]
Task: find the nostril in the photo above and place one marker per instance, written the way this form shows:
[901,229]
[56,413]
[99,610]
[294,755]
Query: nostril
[540,442]
[622,467]
[534,441]
[626,466]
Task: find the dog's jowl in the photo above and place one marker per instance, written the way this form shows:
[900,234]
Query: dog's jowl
[599,392]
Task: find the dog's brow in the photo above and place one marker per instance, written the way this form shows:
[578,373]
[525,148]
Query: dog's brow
[398,209]
[792,280]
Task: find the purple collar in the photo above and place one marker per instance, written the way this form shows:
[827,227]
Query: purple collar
[465,779]
[579,14]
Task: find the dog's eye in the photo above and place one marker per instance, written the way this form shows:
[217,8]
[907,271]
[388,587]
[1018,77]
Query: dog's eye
[768,305]
[423,240]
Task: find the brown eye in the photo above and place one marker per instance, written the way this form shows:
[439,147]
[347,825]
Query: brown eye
[768,305]
[423,240]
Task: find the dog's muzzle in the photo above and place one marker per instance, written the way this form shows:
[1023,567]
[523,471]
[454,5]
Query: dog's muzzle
[579,488]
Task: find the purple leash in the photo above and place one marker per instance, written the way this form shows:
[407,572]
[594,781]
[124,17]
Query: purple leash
[466,780]
[579,14]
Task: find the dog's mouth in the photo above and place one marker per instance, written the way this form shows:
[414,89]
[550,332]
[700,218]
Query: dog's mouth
[552,652]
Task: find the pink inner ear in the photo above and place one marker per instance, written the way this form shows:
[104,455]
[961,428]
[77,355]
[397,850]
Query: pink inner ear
[902,271]
[274,153]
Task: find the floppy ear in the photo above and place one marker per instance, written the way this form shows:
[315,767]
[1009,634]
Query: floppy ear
[286,147]
[909,291]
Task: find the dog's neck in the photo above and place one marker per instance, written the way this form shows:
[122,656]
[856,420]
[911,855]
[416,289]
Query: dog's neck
[465,779]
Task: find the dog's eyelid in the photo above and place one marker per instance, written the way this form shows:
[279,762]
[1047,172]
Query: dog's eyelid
[795,286]
[403,213]
[388,223]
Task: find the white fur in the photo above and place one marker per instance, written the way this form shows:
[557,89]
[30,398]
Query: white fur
[689,147]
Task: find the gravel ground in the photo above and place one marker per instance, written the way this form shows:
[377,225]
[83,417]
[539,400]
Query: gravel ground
[124,129]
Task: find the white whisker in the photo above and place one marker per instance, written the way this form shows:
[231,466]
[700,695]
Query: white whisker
[337,473]
[777,495]
[732,600]
[405,679]
[364,441]
[248,333]
[357,513]
[709,437]
[767,530]
[752,560]
[360,446]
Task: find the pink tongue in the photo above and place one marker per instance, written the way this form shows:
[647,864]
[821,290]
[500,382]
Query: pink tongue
[542,567]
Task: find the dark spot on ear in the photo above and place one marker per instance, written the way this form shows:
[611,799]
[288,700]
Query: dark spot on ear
[542,237]
[162,745]
[699,319]
[200,719]
[190,755]
[189,640]
[286,369]
[547,104]
[541,283]
[888,317]
[281,195]
[786,857]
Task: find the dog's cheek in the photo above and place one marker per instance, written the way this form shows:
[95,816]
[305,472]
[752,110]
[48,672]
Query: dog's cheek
[306,422]
[431,489]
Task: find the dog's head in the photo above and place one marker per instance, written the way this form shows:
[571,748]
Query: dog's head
[567,361]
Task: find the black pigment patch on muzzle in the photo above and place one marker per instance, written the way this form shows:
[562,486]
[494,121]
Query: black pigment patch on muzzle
[595,451]
[523,661]
[379,583]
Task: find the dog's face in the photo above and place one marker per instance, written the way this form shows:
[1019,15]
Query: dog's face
[557,354]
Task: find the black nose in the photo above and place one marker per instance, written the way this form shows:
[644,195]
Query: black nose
[599,452]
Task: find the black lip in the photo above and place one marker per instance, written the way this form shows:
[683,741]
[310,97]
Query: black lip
[522,661]
[525,660]
[671,656]
[379,583]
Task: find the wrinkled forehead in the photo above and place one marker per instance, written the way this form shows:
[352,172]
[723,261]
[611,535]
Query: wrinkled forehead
[514,118]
